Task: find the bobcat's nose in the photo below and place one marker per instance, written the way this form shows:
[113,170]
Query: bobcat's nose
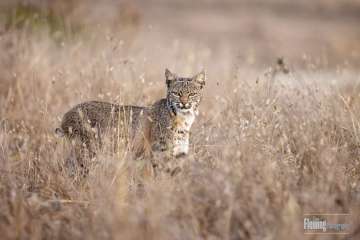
[184,102]
[184,99]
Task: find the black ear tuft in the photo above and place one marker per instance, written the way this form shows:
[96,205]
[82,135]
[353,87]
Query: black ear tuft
[169,76]
[200,78]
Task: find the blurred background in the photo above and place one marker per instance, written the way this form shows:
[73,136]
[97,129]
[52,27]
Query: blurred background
[256,31]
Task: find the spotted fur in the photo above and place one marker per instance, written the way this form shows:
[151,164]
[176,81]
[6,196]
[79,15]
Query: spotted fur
[164,126]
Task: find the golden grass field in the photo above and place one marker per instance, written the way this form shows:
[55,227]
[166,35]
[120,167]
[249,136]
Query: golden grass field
[268,147]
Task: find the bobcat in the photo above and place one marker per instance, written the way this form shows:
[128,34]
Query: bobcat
[163,126]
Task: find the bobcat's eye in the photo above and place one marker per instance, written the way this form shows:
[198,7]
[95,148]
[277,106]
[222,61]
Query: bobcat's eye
[176,94]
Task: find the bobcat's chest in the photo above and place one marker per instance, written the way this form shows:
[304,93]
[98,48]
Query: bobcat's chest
[181,129]
[184,121]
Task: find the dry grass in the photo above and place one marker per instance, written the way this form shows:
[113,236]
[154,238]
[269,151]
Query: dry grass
[266,149]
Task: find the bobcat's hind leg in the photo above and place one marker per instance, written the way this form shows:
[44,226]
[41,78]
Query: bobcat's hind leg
[75,162]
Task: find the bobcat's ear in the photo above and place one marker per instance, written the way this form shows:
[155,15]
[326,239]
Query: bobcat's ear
[200,78]
[169,76]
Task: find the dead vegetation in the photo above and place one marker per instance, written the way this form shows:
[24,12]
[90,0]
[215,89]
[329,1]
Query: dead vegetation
[270,144]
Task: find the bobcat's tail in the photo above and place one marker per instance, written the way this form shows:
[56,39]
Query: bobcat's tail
[59,132]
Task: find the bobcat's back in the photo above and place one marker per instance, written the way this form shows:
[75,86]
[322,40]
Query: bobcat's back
[88,118]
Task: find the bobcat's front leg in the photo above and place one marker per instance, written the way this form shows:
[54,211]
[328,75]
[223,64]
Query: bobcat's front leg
[180,143]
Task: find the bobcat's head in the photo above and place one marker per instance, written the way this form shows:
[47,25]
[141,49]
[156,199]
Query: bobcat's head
[184,94]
